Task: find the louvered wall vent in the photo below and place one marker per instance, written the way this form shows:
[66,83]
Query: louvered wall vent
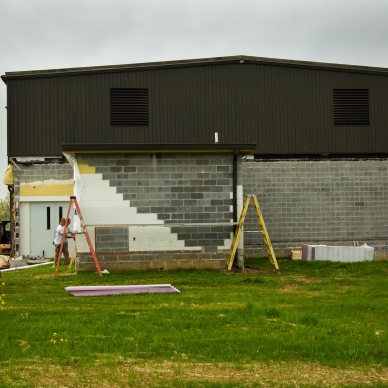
[129,107]
[351,106]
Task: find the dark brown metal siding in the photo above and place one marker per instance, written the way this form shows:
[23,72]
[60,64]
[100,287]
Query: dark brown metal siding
[284,110]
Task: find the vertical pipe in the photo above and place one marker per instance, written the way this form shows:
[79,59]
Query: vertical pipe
[235,197]
[235,188]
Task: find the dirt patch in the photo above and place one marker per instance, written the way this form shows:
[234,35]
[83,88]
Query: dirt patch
[45,276]
[249,269]
[291,283]
[287,288]
[344,288]
[127,372]
[304,279]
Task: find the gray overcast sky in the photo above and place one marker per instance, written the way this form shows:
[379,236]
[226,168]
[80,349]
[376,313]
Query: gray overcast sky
[44,34]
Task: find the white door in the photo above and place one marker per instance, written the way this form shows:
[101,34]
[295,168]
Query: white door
[44,220]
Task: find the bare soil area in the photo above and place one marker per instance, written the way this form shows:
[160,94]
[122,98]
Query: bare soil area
[152,374]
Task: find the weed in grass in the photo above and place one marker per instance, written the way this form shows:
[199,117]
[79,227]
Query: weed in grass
[378,348]
[272,312]
[24,316]
[2,302]
[256,280]
[61,348]
[309,320]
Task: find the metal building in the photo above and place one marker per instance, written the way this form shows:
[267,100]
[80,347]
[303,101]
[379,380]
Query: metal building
[285,107]
[166,140]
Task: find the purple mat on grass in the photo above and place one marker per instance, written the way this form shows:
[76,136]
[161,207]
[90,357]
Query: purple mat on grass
[116,290]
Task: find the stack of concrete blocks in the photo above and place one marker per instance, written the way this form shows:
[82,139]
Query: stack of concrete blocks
[128,201]
[330,202]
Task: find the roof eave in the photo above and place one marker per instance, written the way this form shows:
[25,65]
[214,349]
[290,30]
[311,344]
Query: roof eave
[240,59]
[162,148]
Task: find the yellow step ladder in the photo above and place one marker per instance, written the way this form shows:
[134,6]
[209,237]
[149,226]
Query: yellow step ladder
[239,229]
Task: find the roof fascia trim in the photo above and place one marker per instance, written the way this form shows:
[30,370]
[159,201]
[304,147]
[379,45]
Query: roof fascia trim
[162,148]
[241,59]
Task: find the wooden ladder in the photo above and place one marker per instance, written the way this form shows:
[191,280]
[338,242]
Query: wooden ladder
[83,225]
[264,232]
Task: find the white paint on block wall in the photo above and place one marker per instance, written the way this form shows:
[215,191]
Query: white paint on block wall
[227,243]
[101,205]
[154,238]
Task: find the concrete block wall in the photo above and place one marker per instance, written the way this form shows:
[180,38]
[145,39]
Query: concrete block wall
[112,239]
[36,172]
[147,192]
[114,262]
[333,202]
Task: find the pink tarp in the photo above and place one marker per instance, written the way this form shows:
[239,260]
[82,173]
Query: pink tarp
[116,290]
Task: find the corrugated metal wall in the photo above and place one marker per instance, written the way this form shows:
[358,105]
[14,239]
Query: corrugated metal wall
[285,110]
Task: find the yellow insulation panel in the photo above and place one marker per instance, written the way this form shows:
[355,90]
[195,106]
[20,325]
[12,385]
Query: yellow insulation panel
[48,188]
[84,168]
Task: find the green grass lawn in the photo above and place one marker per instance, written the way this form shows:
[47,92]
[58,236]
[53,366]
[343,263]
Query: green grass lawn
[315,324]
